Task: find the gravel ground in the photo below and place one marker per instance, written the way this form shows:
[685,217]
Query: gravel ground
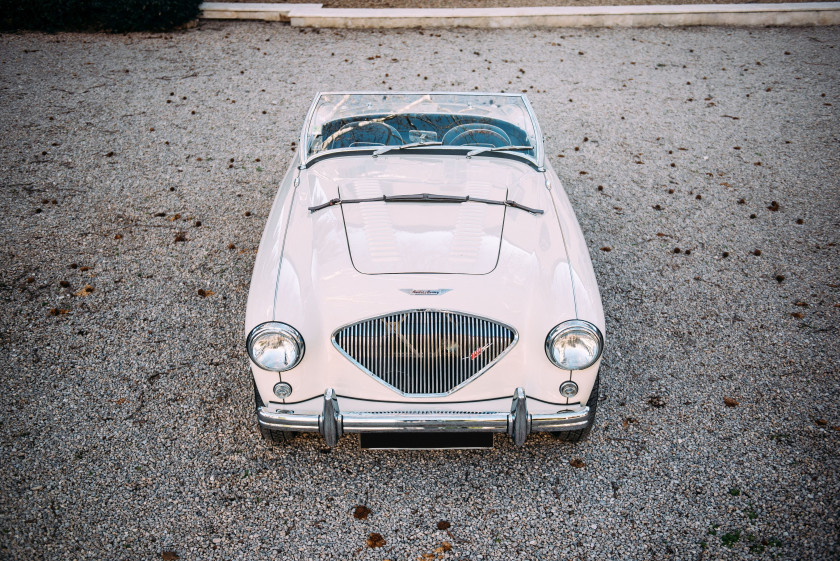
[128,429]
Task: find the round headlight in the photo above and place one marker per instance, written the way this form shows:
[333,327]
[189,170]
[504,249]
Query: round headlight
[574,345]
[275,346]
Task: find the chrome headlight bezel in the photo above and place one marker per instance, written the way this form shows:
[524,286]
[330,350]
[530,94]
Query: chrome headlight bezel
[571,328]
[275,328]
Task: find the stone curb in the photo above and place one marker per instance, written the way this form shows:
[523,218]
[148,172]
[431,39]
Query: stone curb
[315,15]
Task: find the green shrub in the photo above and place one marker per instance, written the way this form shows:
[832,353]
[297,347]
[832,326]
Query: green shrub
[96,15]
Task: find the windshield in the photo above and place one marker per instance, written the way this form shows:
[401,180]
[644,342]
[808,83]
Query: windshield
[348,121]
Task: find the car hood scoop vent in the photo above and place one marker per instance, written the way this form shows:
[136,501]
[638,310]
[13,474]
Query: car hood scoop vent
[422,237]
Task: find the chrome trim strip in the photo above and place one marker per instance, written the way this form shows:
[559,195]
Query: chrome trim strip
[409,379]
[540,144]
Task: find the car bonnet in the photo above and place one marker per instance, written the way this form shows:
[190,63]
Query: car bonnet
[421,237]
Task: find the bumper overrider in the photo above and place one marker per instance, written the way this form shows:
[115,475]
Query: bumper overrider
[517,423]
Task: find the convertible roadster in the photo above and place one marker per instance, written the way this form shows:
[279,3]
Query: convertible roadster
[423,270]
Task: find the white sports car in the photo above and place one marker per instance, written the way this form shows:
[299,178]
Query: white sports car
[422,270]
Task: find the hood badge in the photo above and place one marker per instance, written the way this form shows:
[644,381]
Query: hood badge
[478,352]
[425,292]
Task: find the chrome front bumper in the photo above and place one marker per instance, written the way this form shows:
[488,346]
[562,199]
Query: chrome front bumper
[517,423]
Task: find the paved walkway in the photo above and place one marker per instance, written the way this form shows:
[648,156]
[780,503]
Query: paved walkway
[512,3]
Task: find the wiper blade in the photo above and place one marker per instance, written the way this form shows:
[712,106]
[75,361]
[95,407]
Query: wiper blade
[384,149]
[496,149]
[425,198]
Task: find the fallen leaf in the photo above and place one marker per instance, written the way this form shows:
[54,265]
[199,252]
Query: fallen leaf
[576,463]
[58,311]
[375,540]
[606,248]
[822,422]
[174,217]
[85,291]
[443,525]
[798,315]
[169,556]
[205,293]
[361,512]
[730,402]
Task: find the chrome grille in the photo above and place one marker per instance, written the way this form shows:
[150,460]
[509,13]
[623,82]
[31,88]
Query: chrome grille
[425,352]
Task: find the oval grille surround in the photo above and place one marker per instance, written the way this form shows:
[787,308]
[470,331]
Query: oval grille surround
[427,353]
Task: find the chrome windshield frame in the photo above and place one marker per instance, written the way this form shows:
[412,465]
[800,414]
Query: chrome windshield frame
[303,147]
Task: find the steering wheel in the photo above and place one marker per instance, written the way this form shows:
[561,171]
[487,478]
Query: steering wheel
[479,137]
[458,131]
[363,133]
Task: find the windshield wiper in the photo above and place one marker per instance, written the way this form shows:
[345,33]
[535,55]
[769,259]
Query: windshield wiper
[425,198]
[496,149]
[384,149]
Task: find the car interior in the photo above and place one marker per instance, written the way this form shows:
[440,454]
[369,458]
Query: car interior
[449,130]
